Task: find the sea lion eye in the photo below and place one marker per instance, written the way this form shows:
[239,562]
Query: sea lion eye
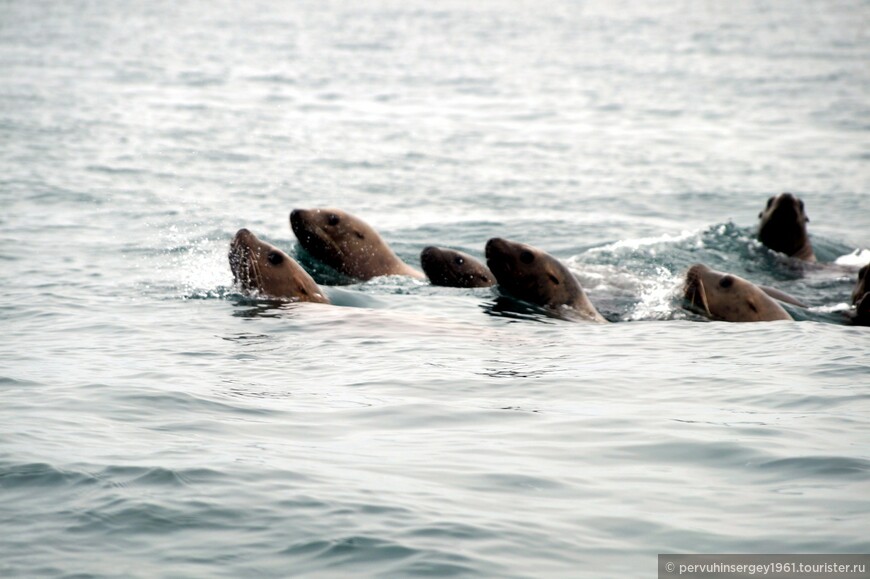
[769,202]
[726,282]
[275,258]
[458,261]
[527,257]
[332,219]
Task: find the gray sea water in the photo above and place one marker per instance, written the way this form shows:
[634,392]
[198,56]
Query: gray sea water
[155,423]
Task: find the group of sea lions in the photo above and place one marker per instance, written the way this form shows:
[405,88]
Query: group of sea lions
[353,248]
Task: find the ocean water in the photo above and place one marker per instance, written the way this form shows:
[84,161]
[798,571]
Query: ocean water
[156,423]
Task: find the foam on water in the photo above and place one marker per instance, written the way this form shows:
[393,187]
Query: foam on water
[857,259]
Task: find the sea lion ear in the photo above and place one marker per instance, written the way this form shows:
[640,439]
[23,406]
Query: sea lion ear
[358,234]
[760,213]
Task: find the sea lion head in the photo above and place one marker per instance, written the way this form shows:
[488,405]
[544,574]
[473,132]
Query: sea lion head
[783,227]
[729,298]
[862,287]
[261,267]
[532,275]
[344,242]
[450,268]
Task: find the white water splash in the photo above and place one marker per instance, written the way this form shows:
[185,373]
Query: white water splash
[858,258]
[656,297]
[645,241]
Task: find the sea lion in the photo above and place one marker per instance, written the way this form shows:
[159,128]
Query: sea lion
[450,268]
[260,267]
[535,276]
[726,297]
[783,227]
[862,286]
[347,244]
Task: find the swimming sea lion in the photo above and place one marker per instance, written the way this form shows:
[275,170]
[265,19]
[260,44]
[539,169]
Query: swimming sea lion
[450,268]
[347,244]
[862,286]
[260,267]
[729,298]
[783,227]
[537,277]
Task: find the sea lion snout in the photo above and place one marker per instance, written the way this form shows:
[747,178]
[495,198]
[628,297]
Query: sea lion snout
[696,271]
[498,257]
[244,234]
[242,243]
[429,255]
[496,246]
[693,288]
[787,198]
[297,220]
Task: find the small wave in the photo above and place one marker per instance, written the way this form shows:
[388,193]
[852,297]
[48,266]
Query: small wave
[377,555]
[33,475]
[858,258]
[351,550]
[155,476]
[127,171]
[161,402]
[818,467]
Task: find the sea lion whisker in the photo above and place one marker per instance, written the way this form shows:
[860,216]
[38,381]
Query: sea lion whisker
[704,301]
[255,269]
[323,237]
